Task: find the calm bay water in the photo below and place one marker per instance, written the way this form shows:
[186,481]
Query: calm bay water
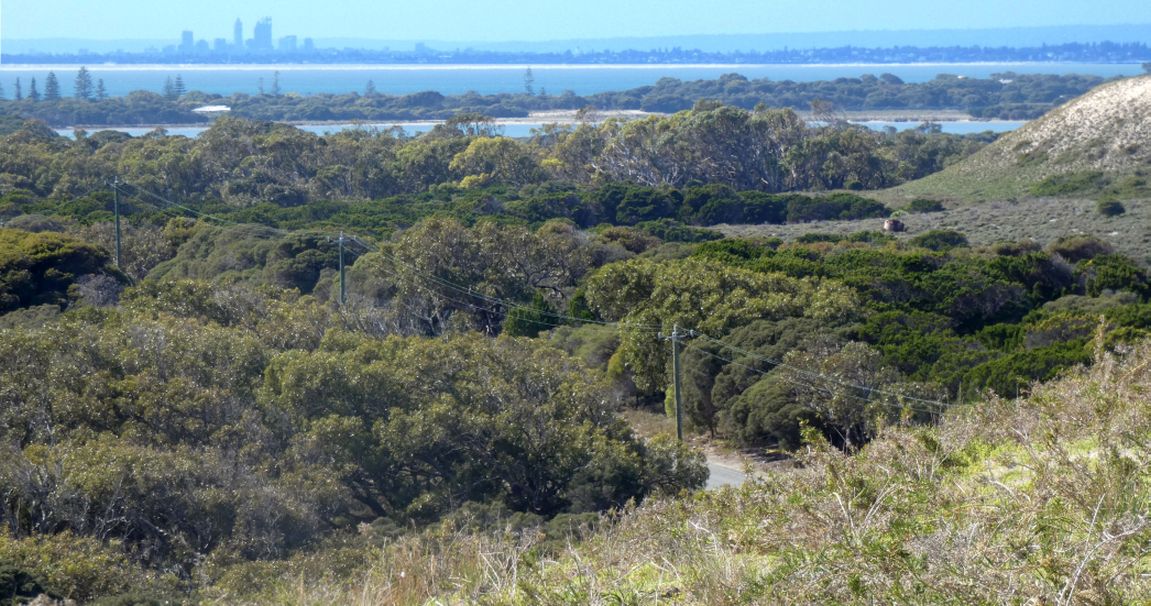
[524,129]
[488,79]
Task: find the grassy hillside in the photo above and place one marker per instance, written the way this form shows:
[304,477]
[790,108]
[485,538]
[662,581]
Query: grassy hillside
[1097,142]
[1040,500]
[1043,220]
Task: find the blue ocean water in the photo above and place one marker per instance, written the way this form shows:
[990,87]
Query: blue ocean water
[488,79]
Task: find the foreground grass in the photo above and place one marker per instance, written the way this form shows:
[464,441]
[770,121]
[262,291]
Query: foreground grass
[1044,500]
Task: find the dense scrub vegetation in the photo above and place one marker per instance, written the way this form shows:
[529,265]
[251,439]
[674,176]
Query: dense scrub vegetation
[42,268]
[1007,95]
[179,432]
[242,164]
[919,324]
[1008,501]
[225,412]
[195,426]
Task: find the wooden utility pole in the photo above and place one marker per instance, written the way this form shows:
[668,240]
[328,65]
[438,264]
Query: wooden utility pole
[343,289]
[116,212]
[675,337]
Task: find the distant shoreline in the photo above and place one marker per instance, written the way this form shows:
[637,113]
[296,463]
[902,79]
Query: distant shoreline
[542,117]
[906,115]
[570,117]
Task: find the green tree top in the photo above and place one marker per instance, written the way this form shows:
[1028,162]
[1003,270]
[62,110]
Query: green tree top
[83,88]
[51,87]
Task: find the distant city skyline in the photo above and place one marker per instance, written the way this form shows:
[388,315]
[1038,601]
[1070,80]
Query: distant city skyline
[262,41]
[539,20]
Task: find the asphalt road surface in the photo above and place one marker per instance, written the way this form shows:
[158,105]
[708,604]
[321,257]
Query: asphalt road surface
[723,475]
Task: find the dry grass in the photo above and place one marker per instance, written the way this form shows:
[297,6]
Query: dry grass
[648,424]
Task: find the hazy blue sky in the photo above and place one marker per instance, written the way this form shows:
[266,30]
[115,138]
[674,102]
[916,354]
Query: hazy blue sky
[538,19]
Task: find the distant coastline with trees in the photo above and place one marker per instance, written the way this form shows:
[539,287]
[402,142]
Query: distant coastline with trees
[1007,96]
[1087,52]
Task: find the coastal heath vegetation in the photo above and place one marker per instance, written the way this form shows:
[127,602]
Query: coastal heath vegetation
[241,163]
[1040,498]
[214,411]
[1007,95]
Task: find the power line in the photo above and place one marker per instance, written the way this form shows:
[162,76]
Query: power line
[342,238]
[498,302]
[510,305]
[811,375]
[460,288]
[494,301]
[801,383]
[817,375]
[117,185]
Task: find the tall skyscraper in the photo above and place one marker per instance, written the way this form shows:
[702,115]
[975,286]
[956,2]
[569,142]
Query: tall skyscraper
[238,34]
[187,42]
[262,39]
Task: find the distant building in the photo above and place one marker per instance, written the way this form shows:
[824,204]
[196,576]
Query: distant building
[187,42]
[309,45]
[288,44]
[212,110]
[238,35]
[220,45]
[262,36]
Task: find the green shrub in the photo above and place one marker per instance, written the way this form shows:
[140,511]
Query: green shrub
[940,239]
[39,268]
[66,565]
[843,207]
[670,230]
[815,236]
[1110,208]
[870,236]
[1059,185]
[923,205]
[1080,248]
[643,204]
[1114,273]
[1011,374]
[529,320]
[1015,249]
[17,584]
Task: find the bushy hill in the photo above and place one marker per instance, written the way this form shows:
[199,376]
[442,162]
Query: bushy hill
[1097,142]
[1039,500]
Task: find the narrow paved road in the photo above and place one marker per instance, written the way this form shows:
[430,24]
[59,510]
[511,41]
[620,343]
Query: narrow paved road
[723,475]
